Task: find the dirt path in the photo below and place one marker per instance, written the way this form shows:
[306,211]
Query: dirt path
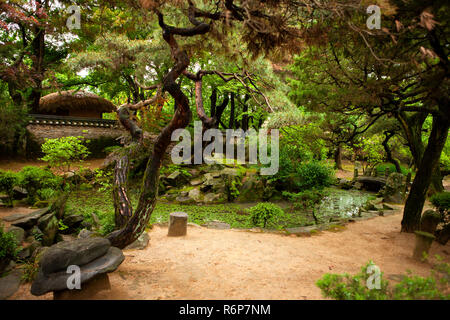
[230,264]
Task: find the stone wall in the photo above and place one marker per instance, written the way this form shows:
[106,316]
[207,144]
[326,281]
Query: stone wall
[100,137]
[40,131]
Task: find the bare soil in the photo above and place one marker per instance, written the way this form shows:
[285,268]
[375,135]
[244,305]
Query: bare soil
[232,264]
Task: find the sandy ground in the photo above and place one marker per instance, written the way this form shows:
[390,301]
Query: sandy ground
[231,264]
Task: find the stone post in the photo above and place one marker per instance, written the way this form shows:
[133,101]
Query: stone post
[423,244]
[178,224]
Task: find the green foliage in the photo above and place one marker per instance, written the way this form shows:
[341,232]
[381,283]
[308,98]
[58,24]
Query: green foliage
[381,169]
[313,174]
[232,185]
[104,178]
[8,180]
[441,201]
[63,152]
[29,271]
[35,180]
[265,212]
[348,287]
[8,245]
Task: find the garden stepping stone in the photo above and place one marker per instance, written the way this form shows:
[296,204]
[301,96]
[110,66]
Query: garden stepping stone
[14,217]
[219,225]
[30,219]
[10,284]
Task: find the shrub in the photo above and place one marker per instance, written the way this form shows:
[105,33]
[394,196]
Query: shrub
[265,212]
[441,201]
[34,179]
[63,152]
[8,245]
[313,174]
[348,287]
[8,180]
[381,169]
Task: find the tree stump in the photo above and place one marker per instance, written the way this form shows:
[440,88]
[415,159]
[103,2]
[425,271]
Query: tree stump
[178,224]
[423,244]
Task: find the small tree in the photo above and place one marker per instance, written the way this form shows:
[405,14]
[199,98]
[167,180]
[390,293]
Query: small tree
[62,153]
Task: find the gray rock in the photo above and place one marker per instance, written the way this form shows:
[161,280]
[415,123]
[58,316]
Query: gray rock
[185,200]
[211,197]
[217,225]
[195,195]
[196,182]
[78,252]
[15,217]
[57,281]
[141,243]
[84,234]
[30,219]
[49,225]
[18,233]
[73,221]
[10,284]
[19,193]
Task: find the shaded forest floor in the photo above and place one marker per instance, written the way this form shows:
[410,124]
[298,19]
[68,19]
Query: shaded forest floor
[231,264]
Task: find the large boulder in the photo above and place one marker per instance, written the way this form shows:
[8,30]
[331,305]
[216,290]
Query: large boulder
[94,256]
[394,190]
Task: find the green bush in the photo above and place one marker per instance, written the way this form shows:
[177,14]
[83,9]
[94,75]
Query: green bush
[8,180]
[381,169]
[348,287]
[8,245]
[63,152]
[313,174]
[35,179]
[264,213]
[441,201]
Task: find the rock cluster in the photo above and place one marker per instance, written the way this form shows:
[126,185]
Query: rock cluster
[94,257]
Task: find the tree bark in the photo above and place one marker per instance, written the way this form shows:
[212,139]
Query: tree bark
[416,198]
[389,156]
[136,225]
[232,106]
[338,157]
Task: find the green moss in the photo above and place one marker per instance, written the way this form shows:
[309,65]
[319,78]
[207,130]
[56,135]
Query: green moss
[425,234]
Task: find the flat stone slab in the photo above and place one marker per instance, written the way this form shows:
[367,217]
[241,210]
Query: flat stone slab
[57,281]
[30,219]
[77,252]
[15,216]
[10,284]
[217,225]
